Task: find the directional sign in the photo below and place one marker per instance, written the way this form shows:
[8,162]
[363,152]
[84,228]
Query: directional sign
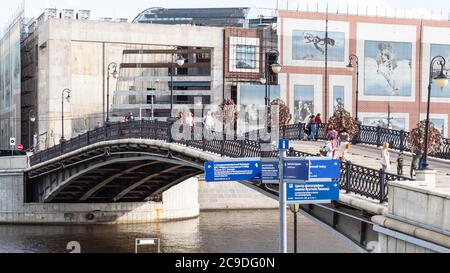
[225,171]
[270,170]
[283,144]
[12,141]
[325,170]
[312,192]
[297,169]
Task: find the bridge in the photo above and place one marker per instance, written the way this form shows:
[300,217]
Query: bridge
[137,161]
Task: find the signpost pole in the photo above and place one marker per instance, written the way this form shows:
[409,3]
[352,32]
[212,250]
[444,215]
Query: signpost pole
[282,198]
[295,232]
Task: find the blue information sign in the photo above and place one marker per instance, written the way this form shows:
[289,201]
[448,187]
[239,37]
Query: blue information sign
[233,171]
[312,192]
[325,170]
[270,171]
[297,169]
[283,144]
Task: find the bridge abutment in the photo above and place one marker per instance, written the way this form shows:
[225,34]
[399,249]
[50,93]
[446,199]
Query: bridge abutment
[418,219]
[179,202]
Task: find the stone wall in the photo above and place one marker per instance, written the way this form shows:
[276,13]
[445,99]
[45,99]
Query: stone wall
[417,221]
[179,202]
[231,195]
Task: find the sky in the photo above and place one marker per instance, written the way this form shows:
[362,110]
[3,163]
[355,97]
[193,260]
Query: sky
[130,8]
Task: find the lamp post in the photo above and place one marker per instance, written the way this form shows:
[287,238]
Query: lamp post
[31,119]
[295,209]
[112,71]
[441,82]
[351,67]
[276,69]
[67,97]
[180,62]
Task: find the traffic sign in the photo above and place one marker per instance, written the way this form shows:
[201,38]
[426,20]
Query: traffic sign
[224,171]
[20,147]
[312,192]
[283,144]
[12,141]
[297,169]
[324,170]
[270,170]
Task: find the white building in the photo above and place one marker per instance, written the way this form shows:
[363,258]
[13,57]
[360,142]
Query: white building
[75,54]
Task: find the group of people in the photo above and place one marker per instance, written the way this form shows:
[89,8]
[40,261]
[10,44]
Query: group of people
[416,162]
[337,146]
[128,117]
[312,127]
[187,118]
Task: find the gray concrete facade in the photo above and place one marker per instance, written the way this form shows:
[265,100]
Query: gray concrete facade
[417,220]
[179,202]
[75,54]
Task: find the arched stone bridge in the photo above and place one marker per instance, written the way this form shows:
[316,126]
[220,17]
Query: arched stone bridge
[124,162]
[137,161]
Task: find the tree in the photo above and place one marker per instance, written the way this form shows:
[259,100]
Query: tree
[228,112]
[342,119]
[285,115]
[417,138]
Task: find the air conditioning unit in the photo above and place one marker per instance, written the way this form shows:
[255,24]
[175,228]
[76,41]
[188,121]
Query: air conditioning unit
[83,15]
[66,14]
[47,14]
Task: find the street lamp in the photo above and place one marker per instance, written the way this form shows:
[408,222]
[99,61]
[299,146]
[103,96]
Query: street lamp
[441,81]
[276,69]
[31,119]
[180,62]
[112,71]
[67,97]
[351,68]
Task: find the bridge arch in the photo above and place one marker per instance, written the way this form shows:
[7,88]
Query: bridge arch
[131,170]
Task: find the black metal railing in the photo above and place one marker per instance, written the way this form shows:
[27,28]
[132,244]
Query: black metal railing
[397,139]
[367,182]
[356,179]
[135,129]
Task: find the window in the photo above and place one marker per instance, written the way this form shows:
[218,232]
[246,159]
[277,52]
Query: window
[246,56]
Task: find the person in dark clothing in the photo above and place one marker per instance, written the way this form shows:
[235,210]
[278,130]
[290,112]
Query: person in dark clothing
[400,161]
[319,122]
[313,131]
[415,162]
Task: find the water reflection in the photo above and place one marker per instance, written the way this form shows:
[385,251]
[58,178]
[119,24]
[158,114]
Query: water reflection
[222,231]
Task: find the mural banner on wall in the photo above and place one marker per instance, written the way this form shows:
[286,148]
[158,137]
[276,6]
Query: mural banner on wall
[439,124]
[388,70]
[303,103]
[252,101]
[397,123]
[10,77]
[444,51]
[310,45]
[338,97]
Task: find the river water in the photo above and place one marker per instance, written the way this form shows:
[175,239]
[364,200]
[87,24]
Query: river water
[253,231]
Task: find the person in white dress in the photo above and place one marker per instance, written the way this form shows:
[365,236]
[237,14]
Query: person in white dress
[208,121]
[385,159]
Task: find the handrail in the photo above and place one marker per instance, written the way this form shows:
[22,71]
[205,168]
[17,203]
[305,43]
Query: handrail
[397,139]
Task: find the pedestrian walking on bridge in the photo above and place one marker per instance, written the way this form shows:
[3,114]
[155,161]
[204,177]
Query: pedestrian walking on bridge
[400,161]
[417,155]
[385,159]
